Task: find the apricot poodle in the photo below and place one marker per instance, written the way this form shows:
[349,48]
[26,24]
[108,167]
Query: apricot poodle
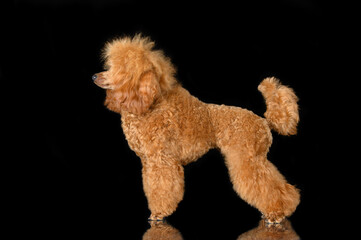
[168,128]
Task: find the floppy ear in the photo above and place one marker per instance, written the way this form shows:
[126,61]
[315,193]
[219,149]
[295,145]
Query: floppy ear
[134,98]
[139,100]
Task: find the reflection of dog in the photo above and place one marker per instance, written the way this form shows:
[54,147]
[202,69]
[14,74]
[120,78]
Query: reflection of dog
[162,230]
[284,230]
[168,128]
[265,231]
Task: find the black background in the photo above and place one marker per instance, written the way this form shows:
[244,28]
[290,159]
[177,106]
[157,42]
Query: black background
[67,165]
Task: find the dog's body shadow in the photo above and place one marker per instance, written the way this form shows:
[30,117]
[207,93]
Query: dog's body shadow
[283,231]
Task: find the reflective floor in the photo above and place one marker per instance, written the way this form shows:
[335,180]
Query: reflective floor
[163,230]
[114,226]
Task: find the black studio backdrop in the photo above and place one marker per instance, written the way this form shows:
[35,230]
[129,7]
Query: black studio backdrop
[71,167]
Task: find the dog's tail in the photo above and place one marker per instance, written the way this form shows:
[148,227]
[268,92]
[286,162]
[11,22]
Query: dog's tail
[282,108]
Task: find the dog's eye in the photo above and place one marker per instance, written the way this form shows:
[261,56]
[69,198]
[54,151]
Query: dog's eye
[106,66]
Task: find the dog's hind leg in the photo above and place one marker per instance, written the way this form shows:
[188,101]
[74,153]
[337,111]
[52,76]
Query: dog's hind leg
[259,183]
[244,139]
[164,188]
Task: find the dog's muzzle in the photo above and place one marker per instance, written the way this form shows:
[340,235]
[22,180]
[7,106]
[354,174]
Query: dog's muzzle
[101,81]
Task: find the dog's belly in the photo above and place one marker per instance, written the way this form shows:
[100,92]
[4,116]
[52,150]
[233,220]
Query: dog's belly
[191,152]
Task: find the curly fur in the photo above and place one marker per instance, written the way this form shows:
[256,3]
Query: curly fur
[169,128]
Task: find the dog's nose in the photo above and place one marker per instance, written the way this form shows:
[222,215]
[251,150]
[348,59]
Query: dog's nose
[94,77]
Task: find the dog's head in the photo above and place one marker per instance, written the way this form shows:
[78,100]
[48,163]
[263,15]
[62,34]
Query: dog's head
[135,76]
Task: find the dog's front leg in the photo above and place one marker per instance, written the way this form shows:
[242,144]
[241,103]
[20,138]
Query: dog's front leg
[163,185]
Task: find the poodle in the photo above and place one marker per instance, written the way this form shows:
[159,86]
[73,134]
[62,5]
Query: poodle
[168,128]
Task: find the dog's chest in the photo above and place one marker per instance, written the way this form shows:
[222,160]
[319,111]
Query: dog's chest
[132,132]
[183,135]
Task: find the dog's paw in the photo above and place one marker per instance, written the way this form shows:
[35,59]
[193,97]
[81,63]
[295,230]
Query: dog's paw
[273,218]
[157,218]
